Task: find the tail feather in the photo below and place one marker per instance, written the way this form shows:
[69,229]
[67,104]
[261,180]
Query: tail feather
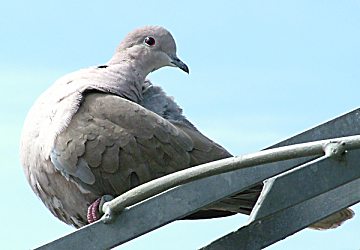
[334,220]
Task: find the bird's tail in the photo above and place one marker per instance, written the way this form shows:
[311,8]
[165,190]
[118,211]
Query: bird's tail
[334,220]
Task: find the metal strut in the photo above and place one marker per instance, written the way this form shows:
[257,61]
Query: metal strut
[334,147]
[304,183]
[295,199]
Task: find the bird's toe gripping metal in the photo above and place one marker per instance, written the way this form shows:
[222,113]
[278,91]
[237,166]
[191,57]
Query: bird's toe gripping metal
[94,212]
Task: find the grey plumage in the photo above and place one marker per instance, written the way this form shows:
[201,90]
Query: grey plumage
[155,99]
[104,130]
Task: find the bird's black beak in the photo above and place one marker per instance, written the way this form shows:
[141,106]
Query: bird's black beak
[175,61]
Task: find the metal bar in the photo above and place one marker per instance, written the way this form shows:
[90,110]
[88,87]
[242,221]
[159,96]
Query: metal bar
[181,201]
[166,207]
[262,233]
[344,125]
[151,188]
[305,182]
[152,219]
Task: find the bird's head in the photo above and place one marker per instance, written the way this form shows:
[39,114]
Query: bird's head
[152,47]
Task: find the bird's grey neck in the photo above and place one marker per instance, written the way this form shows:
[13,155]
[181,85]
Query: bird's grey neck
[127,79]
[135,60]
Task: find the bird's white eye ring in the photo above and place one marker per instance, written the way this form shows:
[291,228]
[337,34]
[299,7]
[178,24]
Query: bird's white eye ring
[150,41]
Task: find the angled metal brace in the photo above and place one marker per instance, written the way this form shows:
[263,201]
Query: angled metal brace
[188,198]
[166,207]
[306,181]
[262,233]
[296,199]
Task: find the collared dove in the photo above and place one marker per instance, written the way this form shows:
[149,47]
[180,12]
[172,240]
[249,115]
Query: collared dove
[103,130]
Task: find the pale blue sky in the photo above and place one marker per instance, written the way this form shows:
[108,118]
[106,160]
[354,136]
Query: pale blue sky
[260,71]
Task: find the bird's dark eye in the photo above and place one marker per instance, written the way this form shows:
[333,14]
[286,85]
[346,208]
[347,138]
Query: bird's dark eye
[149,41]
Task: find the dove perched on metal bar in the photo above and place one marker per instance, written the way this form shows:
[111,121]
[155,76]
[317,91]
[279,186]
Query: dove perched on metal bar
[101,131]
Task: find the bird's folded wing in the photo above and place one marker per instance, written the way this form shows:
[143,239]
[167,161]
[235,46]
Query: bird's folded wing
[112,145]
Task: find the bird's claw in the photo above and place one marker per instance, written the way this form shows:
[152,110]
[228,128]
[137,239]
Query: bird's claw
[95,210]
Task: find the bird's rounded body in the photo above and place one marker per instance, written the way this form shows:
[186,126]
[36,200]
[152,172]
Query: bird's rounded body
[104,130]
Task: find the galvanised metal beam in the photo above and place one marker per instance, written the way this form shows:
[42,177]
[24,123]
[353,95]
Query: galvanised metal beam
[166,207]
[262,233]
[304,182]
[178,202]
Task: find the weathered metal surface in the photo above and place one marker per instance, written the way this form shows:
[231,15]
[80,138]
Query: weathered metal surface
[262,233]
[183,200]
[305,182]
[166,207]
[344,125]
[149,189]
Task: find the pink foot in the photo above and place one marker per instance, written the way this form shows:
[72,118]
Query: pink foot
[94,212]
